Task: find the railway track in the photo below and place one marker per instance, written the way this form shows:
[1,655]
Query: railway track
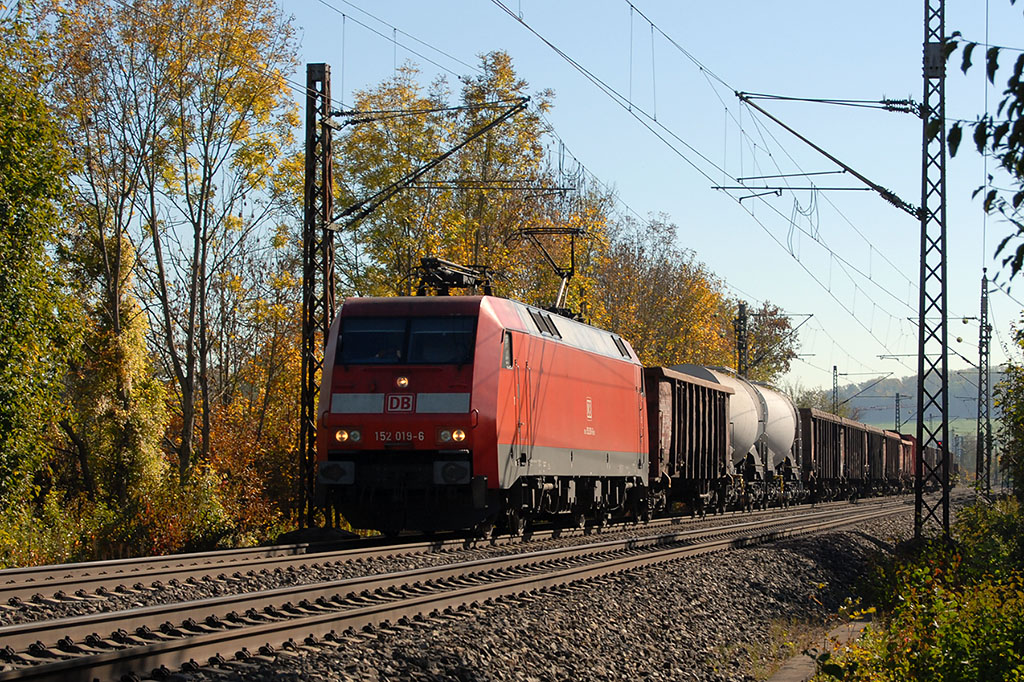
[242,626]
[96,580]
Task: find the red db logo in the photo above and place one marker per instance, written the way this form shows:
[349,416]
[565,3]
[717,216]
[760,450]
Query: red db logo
[399,402]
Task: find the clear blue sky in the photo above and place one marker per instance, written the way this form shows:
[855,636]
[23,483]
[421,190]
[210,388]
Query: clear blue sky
[804,48]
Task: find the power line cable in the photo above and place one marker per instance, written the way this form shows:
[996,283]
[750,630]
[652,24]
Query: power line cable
[622,102]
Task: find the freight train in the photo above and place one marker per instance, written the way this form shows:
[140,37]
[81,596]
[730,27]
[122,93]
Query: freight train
[479,412]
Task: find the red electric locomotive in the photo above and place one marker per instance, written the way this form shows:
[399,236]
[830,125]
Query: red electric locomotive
[454,412]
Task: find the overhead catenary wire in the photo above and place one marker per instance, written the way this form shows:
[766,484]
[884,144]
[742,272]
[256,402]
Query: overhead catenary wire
[619,99]
[817,238]
[301,87]
[899,105]
[396,31]
[708,74]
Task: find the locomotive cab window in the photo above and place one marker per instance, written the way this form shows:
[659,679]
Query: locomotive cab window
[399,341]
[372,341]
[441,340]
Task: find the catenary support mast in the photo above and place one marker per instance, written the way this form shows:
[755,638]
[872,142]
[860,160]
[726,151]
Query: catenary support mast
[742,353]
[317,272]
[933,361]
[984,461]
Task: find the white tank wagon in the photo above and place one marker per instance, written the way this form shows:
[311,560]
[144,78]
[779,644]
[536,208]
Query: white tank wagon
[747,410]
[781,427]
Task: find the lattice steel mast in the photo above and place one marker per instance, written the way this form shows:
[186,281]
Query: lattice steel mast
[739,325]
[984,462]
[317,272]
[933,360]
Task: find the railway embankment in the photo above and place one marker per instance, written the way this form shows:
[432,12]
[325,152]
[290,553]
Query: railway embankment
[721,599]
[732,615]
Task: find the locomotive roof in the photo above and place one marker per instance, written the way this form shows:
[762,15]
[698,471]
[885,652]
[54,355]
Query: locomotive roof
[511,314]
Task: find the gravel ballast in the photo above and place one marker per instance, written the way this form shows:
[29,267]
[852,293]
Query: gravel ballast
[310,571]
[720,617]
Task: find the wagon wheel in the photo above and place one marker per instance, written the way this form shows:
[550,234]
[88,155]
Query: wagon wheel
[577,518]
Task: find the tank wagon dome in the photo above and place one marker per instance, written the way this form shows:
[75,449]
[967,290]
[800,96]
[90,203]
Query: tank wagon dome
[781,423]
[746,408]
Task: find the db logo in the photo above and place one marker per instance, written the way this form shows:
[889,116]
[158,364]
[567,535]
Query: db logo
[398,402]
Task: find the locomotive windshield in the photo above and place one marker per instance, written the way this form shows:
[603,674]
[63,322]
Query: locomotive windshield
[399,341]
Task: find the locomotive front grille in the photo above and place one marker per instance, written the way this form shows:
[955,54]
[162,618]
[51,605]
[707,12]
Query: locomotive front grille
[397,470]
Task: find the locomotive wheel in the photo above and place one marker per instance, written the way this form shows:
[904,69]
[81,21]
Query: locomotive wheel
[514,520]
[484,529]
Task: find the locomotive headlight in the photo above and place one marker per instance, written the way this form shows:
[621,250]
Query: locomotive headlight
[444,435]
[458,435]
[341,435]
[355,435]
[402,382]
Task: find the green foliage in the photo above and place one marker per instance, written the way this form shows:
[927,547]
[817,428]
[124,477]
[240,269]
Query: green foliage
[1008,398]
[36,319]
[1000,135]
[53,529]
[950,611]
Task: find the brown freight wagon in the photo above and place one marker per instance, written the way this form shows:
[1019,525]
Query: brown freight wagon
[875,475]
[856,452]
[822,436]
[893,460]
[689,434]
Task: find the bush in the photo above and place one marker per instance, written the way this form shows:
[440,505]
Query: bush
[57,530]
[949,610]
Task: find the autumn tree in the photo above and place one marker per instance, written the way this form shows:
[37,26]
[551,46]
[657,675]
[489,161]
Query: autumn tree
[183,118]
[109,101]
[471,207]
[399,128]
[225,120]
[505,157]
[771,342]
[660,297]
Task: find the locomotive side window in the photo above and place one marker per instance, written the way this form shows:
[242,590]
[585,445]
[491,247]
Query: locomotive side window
[621,346]
[399,341]
[506,351]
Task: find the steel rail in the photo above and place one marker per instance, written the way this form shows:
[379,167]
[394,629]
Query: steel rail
[89,578]
[48,632]
[309,618]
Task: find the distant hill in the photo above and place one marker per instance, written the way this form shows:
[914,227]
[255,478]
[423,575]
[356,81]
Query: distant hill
[876,404]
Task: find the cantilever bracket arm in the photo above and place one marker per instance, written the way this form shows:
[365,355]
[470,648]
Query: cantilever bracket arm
[886,194]
[361,209]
